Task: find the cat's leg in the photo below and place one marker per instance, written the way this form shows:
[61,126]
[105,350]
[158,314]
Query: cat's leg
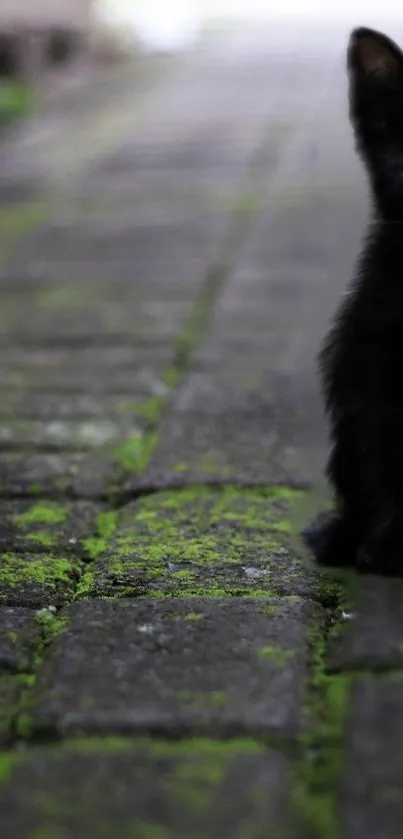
[333,538]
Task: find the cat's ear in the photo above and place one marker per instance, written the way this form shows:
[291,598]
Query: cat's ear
[372,55]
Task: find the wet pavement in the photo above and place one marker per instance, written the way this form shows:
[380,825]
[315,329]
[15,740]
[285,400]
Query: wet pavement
[171,664]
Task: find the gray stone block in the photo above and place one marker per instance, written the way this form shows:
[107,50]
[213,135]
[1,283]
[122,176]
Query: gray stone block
[18,632]
[193,789]
[205,542]
[372,794]
[373,636]
[34,526]
[235,432]
[176,666]
[37,580]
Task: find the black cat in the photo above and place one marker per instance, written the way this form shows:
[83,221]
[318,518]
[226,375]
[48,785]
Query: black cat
[362,359]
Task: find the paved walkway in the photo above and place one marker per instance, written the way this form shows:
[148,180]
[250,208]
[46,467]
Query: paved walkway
[172,666]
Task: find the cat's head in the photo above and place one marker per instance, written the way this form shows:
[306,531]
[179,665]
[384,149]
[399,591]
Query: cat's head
[375,68]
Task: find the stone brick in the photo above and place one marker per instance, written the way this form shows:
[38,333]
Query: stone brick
[194,788]
[32,526]
[372,795]
[176,666]
[373,636]
[205,541]
[18,633]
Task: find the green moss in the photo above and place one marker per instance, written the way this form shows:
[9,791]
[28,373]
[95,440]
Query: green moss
[151,409]
[11,636]
[134,453]
[193,617]
[278,656]
[8,762]
[105,526]
[24,726]
[49,832]
[317,781]
[46,571]
[35,489]
[50,623]
[200,542]
[207,699]
[16,100]
[44,512]
[45,539]
[26,680]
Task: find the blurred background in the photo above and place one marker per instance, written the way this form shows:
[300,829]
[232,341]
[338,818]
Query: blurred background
[50,45]
[135,118]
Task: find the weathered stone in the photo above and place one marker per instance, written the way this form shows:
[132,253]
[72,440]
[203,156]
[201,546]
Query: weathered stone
[372,800]
[188,244]
[178,665]
[18,633]
[49,475]
[256,439]
[373,636]
[103,475]
[204,541]
[34,526]
[195,788]
[37,580]
[61,435]
[89,405]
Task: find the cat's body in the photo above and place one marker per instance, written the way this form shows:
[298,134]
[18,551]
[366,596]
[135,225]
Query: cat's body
[362,358]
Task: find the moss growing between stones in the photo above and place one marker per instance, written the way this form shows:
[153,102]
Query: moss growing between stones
[106,526]
[134,453]
[50,625]
[317,781]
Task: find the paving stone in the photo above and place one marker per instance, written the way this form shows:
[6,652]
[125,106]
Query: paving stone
[189,243]
[18,632]
[24,384]
[135,371]
[178,665]
[103,475]
[204,541]
[61,316]
[373,637]
[71,435]
[33,526]
[48,475]
[372,799]
[37,580]
[188,790]
[257,437]
[138,360]
[90,405]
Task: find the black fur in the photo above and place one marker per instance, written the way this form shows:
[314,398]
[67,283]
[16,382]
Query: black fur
[361,361]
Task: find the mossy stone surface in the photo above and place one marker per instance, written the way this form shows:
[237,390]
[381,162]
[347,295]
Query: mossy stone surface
[147,790]
[39,525]
[203,541]
[19,632]
[37,580]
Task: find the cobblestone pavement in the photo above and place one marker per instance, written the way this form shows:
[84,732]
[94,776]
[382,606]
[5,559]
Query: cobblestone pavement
[172,666]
